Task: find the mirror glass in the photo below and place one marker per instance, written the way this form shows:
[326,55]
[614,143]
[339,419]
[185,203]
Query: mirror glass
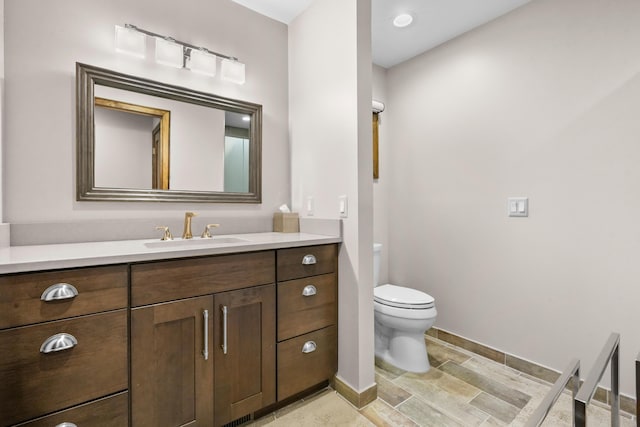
[144,140]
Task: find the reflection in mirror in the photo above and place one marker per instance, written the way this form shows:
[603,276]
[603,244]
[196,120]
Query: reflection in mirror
[143,140]
[236,152]
[142,133]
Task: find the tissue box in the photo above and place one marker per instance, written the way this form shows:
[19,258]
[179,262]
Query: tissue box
[286,222]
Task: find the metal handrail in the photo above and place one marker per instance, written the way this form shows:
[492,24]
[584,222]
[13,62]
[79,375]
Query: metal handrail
[610,353]
[570,374]
[638,390]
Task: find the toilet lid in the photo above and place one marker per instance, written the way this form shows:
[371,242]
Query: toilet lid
[398,296]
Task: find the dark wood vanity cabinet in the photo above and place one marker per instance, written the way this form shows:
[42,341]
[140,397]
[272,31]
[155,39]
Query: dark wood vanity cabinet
[63,347]
[203,360]
[203,341]
[171,370]
[245,362]
[307,317]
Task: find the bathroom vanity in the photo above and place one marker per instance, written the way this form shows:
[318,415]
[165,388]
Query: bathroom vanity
[169,336]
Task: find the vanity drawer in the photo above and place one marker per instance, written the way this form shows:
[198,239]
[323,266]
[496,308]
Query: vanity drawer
[34,383]
[298,370]
[99,289]
[306,305]
[295,263]
[170,280]
[111,411]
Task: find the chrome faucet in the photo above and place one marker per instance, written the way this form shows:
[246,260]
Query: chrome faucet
[186,234]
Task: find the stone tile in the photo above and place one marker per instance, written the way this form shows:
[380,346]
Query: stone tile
[439,354]
[495,407]
[527,411]
[507,376]
[467,390]
[301,403]
[390,392]
[446,382]
[324,410]
[601,394]
[383,415]
[492,422]
[388,370]
[494,388]
[432,332]
[532,369]
[452,404]
[561,413]
[267,419]
[424,414]
[628,405]
[482,350]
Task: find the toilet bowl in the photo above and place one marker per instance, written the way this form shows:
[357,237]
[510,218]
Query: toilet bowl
[402,316]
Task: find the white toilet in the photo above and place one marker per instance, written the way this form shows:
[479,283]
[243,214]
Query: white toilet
[402,316]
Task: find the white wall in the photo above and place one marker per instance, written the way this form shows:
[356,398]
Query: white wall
[543,103]
[2,112]
[43,42]
[196,141]
[123,149]
[330,132]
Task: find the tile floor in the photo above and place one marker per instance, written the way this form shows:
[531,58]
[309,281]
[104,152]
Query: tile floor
[462,389]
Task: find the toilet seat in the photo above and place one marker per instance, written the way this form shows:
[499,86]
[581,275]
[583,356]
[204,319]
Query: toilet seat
[401,297]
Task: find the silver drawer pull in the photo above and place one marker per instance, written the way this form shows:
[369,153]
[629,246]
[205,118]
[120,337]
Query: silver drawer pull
[308,260]
[309,291]
[59,291]
[205,351]
[66,424]
[309,347]
[225,313]
[58,342]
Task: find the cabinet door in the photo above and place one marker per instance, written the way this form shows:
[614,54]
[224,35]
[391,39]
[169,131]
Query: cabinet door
[171,369]
[244,361]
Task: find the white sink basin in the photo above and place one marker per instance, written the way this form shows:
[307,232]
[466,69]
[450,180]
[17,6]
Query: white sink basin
[195,242]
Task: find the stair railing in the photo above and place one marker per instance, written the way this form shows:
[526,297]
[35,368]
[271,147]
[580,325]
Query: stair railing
[638,390]
[571,374]
[610,354]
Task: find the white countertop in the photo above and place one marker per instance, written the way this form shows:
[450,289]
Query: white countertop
[16,259]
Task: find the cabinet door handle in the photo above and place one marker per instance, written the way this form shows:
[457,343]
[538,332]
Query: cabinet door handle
[309,291]
[308,260]
[205,352]
[58,342]
[59,291]
[309,347]
[66,424]
[224,329]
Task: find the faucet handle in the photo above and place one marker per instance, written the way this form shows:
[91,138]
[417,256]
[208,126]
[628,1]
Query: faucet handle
[167,234]
[206,234]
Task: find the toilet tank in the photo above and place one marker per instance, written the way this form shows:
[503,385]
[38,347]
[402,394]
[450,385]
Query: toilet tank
[377,249]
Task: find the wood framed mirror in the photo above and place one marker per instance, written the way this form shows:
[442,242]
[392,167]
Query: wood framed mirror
[142,140]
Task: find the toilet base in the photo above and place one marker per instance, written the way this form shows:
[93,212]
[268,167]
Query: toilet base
[406,351]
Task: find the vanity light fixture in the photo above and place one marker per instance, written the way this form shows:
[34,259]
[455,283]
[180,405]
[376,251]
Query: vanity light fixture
[202,61]
[175,53]
[169,53]
[232,70]
[130,41]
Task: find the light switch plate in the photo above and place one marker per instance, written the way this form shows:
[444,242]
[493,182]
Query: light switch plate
[343,206]
[518,206]
[310,206]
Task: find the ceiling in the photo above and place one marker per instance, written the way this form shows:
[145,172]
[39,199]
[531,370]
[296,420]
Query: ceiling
[434,22]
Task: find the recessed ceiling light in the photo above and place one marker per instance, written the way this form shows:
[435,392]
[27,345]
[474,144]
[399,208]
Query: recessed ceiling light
[402,20]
